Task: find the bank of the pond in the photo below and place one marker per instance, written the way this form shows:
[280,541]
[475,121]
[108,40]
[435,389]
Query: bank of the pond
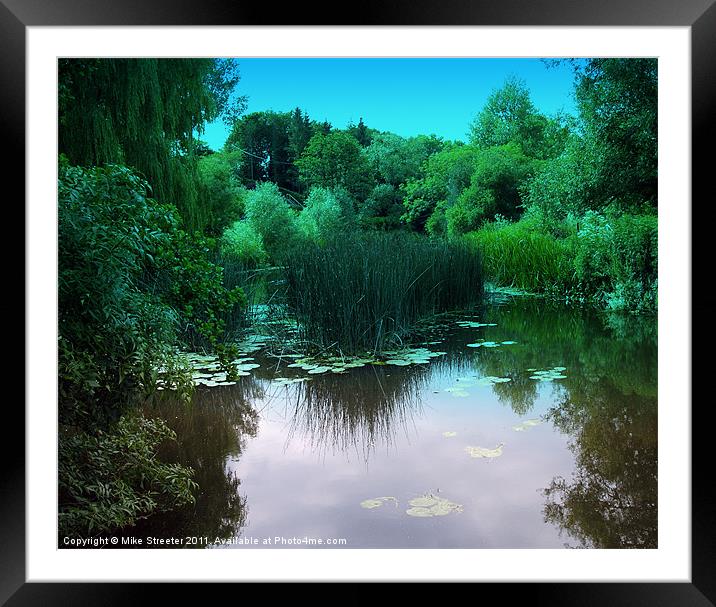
[609,261]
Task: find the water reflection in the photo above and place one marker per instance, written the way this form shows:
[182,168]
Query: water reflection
[212,429]
[330,412]
[588,475]
[611,499]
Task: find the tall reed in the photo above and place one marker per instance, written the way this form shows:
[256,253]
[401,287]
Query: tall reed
[366,291]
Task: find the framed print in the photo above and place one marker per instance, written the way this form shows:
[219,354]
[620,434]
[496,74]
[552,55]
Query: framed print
[516,410]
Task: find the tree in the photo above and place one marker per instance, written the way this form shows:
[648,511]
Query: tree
[271,216]
[145,113]
[220,190]
[361,132]
[396,159]
[617,100]
[443,178]
[495,189]
[509,116]
[263,139]
[323,216]
[335,160]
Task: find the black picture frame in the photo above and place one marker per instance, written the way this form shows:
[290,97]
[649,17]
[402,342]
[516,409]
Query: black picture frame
[699,15]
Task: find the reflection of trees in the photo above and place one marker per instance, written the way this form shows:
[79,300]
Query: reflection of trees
[592,345]
[611,500]
[213,427]
[358,410]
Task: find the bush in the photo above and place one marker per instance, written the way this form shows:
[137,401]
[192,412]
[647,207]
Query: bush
[220,191]
[468,213]
[383,208]
[109,480]
[515,255]
[608,259]
[242,244]
[272,217]
[322,216]
[436,225]
[129,282]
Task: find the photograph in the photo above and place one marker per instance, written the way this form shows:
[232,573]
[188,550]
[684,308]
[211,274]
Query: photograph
[357,303]
[402,298]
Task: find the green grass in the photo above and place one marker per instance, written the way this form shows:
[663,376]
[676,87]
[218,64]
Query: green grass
[517,256]
[366,291]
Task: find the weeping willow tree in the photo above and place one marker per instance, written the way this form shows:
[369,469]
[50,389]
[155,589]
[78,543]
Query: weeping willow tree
[146,114]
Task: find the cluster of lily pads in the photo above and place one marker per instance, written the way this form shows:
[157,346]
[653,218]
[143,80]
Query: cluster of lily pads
[491,344]
[316,365]
[473,380]
[548,374]
[425,506]
[207,371]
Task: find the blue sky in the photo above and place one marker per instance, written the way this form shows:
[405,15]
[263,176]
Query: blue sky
[405,96]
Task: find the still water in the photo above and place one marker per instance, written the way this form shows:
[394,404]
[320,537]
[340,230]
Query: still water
[547,441]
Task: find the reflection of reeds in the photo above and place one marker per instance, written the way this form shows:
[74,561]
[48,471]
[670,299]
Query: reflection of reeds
[357,411]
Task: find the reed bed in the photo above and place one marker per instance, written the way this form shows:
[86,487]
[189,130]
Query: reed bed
[366,291]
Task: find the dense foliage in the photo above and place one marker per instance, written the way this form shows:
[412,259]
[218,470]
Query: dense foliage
[144,113]
[131,287]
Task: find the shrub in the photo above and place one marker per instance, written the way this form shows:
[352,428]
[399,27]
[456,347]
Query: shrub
[111,479]
[241,243]
[610,260]
[383,208]
[129,281]
[515,255]
[468,213]
[272,217]
[220,192]
[322,216]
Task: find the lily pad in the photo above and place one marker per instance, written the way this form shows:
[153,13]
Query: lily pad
[431,505]
[484,452]
[420,512]
[377,502]
[549,374]
[425,501]
[526,424]
[317,370]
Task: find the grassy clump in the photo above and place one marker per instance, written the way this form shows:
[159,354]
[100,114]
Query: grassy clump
[609,259]
[366,291]
[516,255]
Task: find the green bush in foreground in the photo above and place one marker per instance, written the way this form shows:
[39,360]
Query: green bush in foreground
[131,286]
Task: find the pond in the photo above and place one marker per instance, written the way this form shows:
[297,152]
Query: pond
[529,425]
